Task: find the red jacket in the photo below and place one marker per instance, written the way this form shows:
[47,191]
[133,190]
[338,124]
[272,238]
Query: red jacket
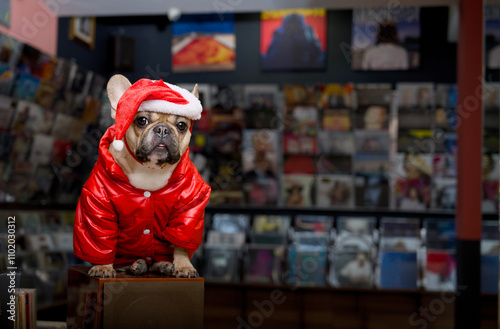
[118,223]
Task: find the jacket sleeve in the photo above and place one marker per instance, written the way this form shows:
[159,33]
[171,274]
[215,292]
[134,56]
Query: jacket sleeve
[96,229]
[185,226]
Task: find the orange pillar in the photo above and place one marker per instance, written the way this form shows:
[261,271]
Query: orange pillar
[469,130]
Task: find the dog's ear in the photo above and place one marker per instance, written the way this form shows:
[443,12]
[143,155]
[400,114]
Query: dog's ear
[117,86]
[195,91]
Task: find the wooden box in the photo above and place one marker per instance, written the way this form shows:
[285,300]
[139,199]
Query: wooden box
[128,301]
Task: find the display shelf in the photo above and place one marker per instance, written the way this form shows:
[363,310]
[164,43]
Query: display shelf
[276,210]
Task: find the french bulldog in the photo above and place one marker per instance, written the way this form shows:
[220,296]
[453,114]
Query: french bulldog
[155,144]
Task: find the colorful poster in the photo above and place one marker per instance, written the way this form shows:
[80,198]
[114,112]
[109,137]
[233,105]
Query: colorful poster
[492,36]
[203,43]
[293,39]
[385,39]
[5,12]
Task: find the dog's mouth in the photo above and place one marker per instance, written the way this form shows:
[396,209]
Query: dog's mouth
[161,154]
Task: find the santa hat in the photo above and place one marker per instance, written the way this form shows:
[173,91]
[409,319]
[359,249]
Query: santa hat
[155,96]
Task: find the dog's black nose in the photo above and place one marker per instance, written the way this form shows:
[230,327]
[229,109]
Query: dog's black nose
[162,130]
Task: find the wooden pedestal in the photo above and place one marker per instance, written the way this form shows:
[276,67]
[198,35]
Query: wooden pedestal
[128,301]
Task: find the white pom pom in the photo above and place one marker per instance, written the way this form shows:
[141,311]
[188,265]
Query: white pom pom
[118,145]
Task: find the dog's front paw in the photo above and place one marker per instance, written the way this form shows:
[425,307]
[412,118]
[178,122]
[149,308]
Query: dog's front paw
[186,272]
[104,271]
[166,268]
[139,267]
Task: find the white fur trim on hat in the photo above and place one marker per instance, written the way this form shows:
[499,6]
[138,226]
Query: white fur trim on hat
[118,145]
[192,110]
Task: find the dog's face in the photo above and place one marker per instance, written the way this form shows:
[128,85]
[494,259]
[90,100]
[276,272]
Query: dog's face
[158,139]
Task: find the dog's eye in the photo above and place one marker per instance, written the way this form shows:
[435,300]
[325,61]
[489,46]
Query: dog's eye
[142,121]
[182,126]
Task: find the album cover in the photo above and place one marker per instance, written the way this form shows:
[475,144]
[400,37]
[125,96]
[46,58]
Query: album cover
[311,239]
[45,95]
[26,87]
[10,50]
[259,155]
[490,183]
[203,42]
[371,190]
[440,270]
[262,118]
[330,142]
[6,143]
[28,60]
[306,266]
[6,113]
[263,264]
[227,134]
[337,96]
[61,73]
[45,67]
[351,267]
[261,96]
[492,36]
[293,39]
[221,264]
[299,164]
[52,221]
[356,226]
[444,193]
[419,141]
[439,234]
[40,242]
[415,96]
[299,94]
[334,164]
[217,238]
[446,100]
[293,144]
[63,241]
[28,222]
[373,110]
[491,142]
[312,223]
[230,223]
[392,44]
[413,181]
[20,148]
[371,145]
[7,79]
[489,257]
[301,120]
[79,79]
[398,270]
[334,191]
[399,234]
[62,126]
[42,149]
[77,128]
[39,120]
[415,105]
[336,120]
[296,190]
[263,224]
[450,142]
[227,97]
